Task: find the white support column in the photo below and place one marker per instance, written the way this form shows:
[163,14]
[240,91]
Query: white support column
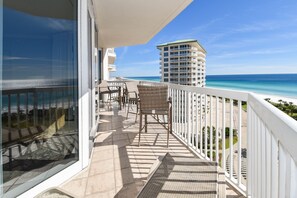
[83,84]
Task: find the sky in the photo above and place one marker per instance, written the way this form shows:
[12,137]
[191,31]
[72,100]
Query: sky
[240,37]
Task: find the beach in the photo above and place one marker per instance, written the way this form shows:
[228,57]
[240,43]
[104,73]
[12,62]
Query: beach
[276,98]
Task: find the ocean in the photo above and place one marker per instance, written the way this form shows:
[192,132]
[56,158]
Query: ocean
[269,84]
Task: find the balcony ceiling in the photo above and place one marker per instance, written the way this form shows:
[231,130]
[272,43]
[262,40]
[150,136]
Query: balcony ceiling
[132,22]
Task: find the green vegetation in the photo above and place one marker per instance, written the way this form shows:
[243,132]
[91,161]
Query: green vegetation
[244,106]
[288,107]
[227,138]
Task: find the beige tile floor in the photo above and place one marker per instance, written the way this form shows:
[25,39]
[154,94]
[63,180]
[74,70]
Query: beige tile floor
[119,168]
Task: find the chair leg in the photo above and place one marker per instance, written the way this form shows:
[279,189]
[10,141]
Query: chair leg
[168,138]
[128,109]
[140,127]
[145,122]
[169,127]
[136,111]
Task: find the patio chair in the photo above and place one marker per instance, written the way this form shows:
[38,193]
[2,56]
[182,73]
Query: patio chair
[104,88]
[154,101]
[132,97]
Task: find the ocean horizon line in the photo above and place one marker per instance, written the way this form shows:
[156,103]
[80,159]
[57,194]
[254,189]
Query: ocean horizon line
[267,84]
[220,75]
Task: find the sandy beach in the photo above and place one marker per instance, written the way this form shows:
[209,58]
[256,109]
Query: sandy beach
[276,98]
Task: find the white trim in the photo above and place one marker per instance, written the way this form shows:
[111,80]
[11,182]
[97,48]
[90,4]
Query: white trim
[83,85]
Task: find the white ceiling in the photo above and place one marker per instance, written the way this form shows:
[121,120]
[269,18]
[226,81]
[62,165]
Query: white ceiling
[131,22]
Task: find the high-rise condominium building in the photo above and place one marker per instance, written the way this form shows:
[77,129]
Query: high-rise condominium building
[183,62]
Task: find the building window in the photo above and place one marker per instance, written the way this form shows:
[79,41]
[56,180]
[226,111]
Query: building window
[166,75]
[165,79]
[166,70]
[40,92]
[166,49]
[165,54]
[165,59]
[165,64]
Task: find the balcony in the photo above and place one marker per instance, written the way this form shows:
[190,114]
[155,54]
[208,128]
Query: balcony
[111,55]
[112,68]
[253,142]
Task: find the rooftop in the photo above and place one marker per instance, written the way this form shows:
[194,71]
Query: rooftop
[181,42]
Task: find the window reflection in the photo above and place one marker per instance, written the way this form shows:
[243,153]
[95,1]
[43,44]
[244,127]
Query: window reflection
[40,91]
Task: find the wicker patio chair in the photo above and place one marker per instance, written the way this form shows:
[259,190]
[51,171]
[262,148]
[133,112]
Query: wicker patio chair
[132,97]
[154,101]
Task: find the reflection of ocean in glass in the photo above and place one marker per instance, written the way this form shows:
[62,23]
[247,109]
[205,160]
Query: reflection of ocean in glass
[60,92]
[39,92]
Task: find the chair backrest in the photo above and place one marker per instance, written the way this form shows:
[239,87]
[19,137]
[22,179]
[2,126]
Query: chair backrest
[132,86]
[103,86]
[153,97]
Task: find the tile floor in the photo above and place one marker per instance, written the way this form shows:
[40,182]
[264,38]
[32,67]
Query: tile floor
[119,168]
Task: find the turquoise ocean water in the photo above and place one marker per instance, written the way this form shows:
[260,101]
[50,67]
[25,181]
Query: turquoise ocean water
[270,84]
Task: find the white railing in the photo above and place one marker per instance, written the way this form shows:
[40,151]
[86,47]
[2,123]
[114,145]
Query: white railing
[260,154]
[252,141]
[272,153]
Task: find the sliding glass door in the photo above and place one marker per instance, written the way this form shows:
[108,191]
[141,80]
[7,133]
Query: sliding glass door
[39,132]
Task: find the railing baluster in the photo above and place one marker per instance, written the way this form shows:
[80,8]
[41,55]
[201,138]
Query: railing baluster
[35,107]
[182,113]
[211,130]
[188,116]
[250,150]
[223,135]
[268,159]
[217,129]
[197,127]
[274,168]
[177,112]
[27,108]
[231,138]
[18,113]
[43,108]
[9,118]
[239,141]
[49,107]
[192,110]
[263,163]
[257,158]
[205,129]
[201,125]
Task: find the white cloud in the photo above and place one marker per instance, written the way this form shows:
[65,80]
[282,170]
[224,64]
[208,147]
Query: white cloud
[250,69]
[145,51]
[250,52]
[123,53]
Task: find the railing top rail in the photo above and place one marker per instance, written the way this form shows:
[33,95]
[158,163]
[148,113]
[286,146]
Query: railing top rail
[236,95]
[282,127]
[36,89]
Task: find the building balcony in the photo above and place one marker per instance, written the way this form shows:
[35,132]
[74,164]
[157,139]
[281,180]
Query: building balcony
[253,142]
[111,55]
[112,68]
